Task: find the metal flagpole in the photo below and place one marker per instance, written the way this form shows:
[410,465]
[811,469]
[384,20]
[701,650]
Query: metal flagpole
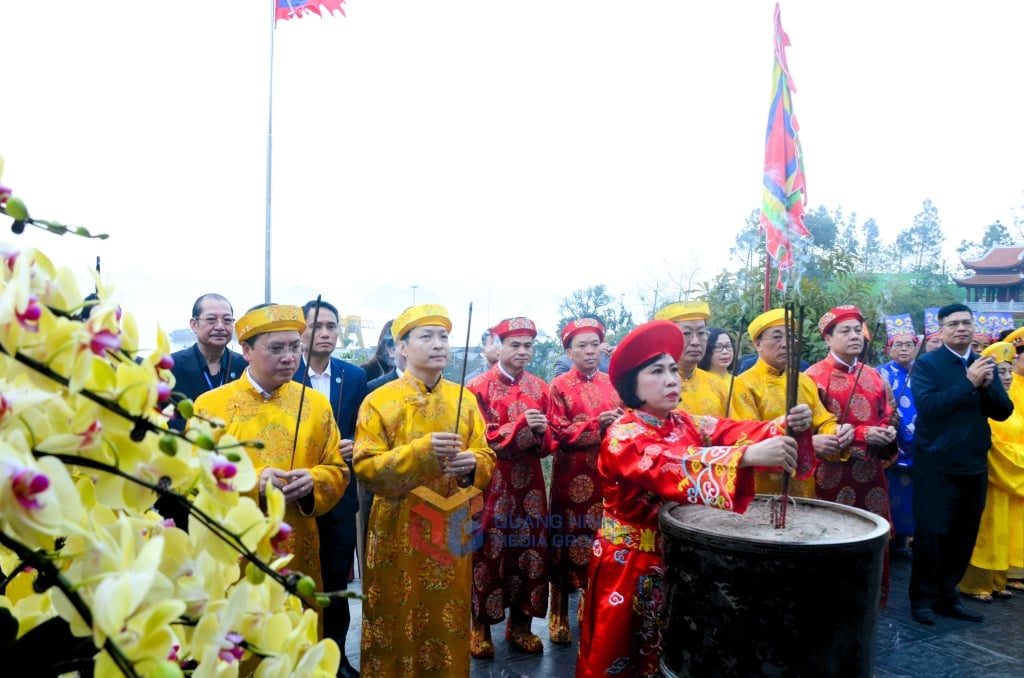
[270,137]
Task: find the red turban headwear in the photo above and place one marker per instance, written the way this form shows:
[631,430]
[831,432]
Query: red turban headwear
[514,327]
[838,315]
[581,326]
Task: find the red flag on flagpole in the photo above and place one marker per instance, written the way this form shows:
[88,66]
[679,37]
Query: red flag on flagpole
[785,189]
[296,9]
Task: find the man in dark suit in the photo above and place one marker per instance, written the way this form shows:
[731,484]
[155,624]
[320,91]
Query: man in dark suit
[956,395]
[202,367]
[344,384]
[208,363]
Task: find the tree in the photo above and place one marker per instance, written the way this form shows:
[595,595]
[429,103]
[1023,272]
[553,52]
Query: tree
[822,228]
[596,301]
[996,235]
[546,351]
[665,285]
[848,238]
[930,290]
[749,242]
[875,258]
[920,246]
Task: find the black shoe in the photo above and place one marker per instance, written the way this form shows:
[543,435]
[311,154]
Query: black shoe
[345,669]
[922,615]
[958,611]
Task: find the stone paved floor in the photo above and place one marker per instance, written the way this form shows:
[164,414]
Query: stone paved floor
[951,648]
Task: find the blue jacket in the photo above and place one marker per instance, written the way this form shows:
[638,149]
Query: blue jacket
[899,381]
[953,435]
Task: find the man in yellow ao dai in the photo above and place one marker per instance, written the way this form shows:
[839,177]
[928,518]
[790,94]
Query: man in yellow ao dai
[263,405]
[700,391]
[426,460]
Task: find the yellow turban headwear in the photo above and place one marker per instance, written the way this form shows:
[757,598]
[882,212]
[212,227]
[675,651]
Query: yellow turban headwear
[418,316]
[1016,337]
[773,318]
[684,310]
[273,318]
[1001,352]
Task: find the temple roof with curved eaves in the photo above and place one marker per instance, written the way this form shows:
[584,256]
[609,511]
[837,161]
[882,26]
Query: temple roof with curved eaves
[991,280]
[998,258]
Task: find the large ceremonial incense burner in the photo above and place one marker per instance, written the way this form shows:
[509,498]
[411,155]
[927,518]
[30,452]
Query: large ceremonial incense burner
[745,598]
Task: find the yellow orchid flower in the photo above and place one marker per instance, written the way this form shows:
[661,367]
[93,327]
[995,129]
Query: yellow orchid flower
[118,597]
[219,633]
[62,291]
[244,519]
[35,497]
[20,310]
[298,653]
[147,638]
[31,611]
[226,472]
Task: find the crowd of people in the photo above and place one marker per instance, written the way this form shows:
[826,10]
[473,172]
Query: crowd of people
[460,530]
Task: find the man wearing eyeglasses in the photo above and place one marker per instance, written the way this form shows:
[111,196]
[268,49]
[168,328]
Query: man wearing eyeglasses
[759,394]
[209,362]
[700,392]
[902,347]
[300,454]
[956,395]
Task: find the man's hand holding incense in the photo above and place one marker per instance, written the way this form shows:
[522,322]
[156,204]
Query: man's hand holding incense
[879,436]
[445,446]
[798,419]
[461,465]
[294,484]
[608,417]
[345,449]
[845,436]
[537,421]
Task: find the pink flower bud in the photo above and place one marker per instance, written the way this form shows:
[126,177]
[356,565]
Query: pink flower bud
[29,318]
[224,471]
[163,392]
[234,652]
[166,362]
[104,341]
[26,484]
[283,534]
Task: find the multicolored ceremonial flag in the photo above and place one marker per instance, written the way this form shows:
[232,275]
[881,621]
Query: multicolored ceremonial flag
[998,322]
[931,321]
[296,9]
[785,190]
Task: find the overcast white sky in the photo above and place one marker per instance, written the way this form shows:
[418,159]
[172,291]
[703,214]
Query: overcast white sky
[501,153]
